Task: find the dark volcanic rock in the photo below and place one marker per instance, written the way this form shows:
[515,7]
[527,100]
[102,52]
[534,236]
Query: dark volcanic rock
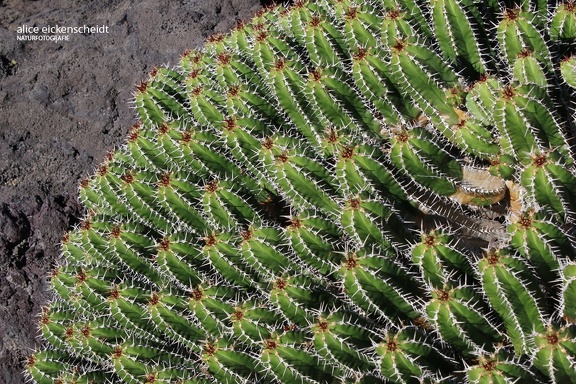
[14,227]
[63,106]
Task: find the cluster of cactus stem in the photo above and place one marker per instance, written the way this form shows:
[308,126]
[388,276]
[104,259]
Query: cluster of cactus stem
[338,191]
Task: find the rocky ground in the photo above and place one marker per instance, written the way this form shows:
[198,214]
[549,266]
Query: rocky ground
[63,106]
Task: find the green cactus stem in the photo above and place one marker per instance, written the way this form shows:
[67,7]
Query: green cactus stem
[338,191]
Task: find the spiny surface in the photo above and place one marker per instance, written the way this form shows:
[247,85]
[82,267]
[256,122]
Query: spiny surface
[338,191]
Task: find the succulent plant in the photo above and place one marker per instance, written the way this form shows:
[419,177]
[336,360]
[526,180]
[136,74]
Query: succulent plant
[336,192]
